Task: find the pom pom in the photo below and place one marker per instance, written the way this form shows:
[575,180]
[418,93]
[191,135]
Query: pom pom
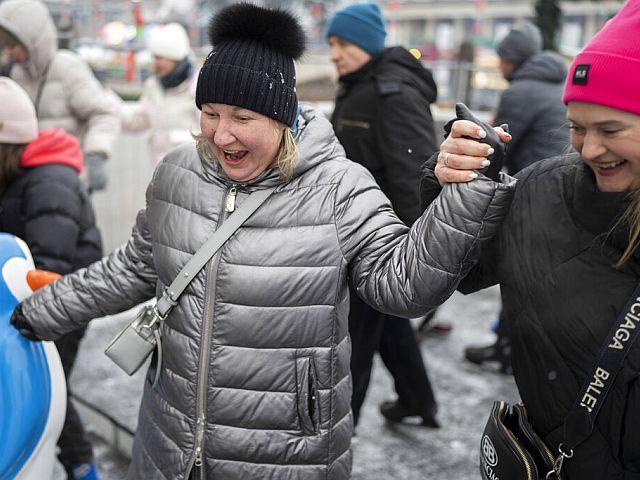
[275,28]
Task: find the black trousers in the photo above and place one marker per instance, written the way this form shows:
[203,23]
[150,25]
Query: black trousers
[395,340]
[75,447]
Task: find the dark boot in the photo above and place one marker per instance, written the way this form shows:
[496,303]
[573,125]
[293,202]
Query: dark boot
[397,413]
[496,357]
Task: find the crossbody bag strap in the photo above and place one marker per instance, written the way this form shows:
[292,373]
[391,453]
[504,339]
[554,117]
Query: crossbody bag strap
[209,249]
[580,421]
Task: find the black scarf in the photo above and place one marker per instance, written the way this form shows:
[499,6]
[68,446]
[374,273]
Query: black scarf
[598,211]
[179,74]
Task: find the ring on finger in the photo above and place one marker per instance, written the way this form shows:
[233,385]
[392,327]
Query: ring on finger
[445,160]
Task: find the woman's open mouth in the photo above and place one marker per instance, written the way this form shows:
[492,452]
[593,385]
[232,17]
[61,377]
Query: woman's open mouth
[234,156]
[610,168]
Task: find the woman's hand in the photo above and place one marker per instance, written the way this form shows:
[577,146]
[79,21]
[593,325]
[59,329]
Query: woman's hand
[19,321]
[462,151]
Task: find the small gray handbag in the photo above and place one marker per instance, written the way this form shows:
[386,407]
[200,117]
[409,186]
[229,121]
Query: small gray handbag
[131,347]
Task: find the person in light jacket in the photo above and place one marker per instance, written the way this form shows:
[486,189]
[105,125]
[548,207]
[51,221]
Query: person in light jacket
[166,108]
[60,84]
[567,258]
[254,382]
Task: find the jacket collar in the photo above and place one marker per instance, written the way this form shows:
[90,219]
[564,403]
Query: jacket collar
[598,212]
[316,143]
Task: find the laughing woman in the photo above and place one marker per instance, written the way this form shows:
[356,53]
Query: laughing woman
[254,381]
[567,259]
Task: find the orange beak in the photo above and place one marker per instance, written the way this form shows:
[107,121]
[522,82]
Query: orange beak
[39,278]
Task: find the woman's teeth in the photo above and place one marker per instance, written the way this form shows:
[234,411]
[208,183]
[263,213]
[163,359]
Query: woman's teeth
[610,165]
[234,155]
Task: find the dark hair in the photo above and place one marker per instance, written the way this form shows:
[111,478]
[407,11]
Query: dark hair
[8,39]
[10,154]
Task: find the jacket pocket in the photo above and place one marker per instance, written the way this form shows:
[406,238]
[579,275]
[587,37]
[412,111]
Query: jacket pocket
[359,124]
[307,395]
[358,138]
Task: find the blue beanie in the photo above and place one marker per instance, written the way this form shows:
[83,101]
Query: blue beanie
[361,24]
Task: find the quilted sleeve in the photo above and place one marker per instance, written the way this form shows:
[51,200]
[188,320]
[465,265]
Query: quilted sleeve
[407,273]
[118,282]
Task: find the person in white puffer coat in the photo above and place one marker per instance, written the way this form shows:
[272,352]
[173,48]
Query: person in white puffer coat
[65,92]
[166,108]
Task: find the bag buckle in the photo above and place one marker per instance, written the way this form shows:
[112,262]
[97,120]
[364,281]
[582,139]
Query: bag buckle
[565,453]
[148,321]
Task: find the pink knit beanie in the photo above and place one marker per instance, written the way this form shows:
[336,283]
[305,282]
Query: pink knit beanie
[607,70]
[18,122]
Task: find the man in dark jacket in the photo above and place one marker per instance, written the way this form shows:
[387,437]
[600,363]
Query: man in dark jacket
[383,120]
[532,107]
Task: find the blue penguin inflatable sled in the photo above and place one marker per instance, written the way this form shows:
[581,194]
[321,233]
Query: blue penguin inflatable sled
[32,383]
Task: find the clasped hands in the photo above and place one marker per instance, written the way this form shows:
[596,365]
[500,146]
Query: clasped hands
[472,146]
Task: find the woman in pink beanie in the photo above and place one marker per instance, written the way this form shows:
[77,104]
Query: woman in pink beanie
[568,264]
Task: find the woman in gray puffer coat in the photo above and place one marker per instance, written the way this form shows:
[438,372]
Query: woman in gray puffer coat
[254,381]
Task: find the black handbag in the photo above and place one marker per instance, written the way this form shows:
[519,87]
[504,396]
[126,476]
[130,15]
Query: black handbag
[511,449]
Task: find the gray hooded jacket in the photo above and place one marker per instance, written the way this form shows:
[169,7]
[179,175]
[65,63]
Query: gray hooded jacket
[60,84]
[532,107]
[255,379]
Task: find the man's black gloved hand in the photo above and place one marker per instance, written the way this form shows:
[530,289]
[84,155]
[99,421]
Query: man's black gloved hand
[96,170]
[497,157]
[19,321]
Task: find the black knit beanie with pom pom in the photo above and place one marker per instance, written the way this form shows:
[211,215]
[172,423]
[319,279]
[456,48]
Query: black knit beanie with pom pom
[251,64]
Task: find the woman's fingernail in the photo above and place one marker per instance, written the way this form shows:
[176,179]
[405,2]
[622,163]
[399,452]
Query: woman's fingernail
[486,163]
[482,133]
[473,176]
[490,151]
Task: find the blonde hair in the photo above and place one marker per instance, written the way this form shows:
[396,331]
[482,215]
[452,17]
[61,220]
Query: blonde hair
[284,161]
[631,217]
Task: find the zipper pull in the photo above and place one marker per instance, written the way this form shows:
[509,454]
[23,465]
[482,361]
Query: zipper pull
[198,462]
[230,203]
[199,434]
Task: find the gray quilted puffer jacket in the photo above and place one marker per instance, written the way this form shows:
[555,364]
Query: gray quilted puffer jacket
[255,379]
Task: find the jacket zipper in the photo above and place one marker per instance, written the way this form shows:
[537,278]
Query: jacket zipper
[203,363]
[230,203]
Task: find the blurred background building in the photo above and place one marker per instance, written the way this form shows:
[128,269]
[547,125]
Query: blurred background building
[455,38]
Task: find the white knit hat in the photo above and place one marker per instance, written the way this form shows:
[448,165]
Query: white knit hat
[18,121]
[170,41]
